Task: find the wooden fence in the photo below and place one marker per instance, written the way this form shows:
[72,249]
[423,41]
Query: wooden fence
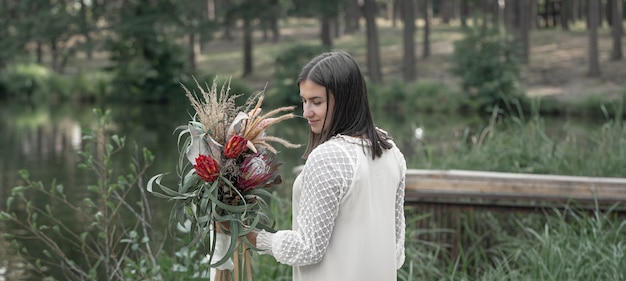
[448,195]
[513,190]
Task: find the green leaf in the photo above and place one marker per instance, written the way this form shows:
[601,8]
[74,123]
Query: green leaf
[116,140]
[46,253]
[147,155]
[59,188]
[24,174]
[9,201]
[168,193]
[89,202]
[4,215]
[93,188]
[122,181]
[18,190]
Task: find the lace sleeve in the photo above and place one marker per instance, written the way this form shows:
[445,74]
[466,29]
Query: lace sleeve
[400,219]
[327,174]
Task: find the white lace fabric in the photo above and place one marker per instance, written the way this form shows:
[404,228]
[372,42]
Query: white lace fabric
[322,189]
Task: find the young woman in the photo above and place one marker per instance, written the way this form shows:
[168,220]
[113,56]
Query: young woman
[348,216]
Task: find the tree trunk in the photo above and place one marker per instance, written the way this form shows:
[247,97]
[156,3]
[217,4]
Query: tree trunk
[325,31]
[264,29]
[428,19]
[444,11]
[408,34]
[594,14]
[39,52]
[336,27]
[85,30]
[496,12]
[194,50]
[565,14]
[525,25]
[210,10]
[228,24]
[617,18]
[373,52]
[511,12]
[54,52]
[351,16]
[275,29]
[575,13]
[533,14]
[601,9]
[247,48]
[390,12]
[485,12]
[464,12]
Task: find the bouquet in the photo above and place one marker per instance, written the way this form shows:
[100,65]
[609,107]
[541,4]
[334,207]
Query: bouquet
[226,163]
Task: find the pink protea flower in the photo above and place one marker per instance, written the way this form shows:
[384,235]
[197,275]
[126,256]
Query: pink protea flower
[235,146]
[206,168]
[258,170]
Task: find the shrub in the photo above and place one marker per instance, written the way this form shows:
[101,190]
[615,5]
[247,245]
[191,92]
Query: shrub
[487,63]
[398,97]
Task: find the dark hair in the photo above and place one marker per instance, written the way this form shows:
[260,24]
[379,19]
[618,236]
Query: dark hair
[339,73]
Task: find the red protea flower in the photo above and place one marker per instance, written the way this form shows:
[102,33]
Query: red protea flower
[257,170]
[235,146]
[206,168]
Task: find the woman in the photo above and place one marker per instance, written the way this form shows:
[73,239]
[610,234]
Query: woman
[348,216]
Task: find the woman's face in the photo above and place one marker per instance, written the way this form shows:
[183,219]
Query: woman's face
[317,109]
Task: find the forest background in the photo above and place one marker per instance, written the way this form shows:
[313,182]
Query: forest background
[507,63]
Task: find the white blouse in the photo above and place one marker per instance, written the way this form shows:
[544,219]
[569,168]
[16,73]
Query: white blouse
[348,215]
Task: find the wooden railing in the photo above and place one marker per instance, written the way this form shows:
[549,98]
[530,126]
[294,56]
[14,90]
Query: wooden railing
[448,196]
[513,190]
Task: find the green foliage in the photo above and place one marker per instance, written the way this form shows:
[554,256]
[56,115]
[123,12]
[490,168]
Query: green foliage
[424,96]
[91,86]
[33,82]
[148,63]
[115,242]
[487,63]
[287,67]
[24,81]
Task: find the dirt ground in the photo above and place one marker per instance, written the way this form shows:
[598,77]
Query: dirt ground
[558,66]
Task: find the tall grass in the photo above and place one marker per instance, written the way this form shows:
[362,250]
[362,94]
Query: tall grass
[572,245]
[514,144]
